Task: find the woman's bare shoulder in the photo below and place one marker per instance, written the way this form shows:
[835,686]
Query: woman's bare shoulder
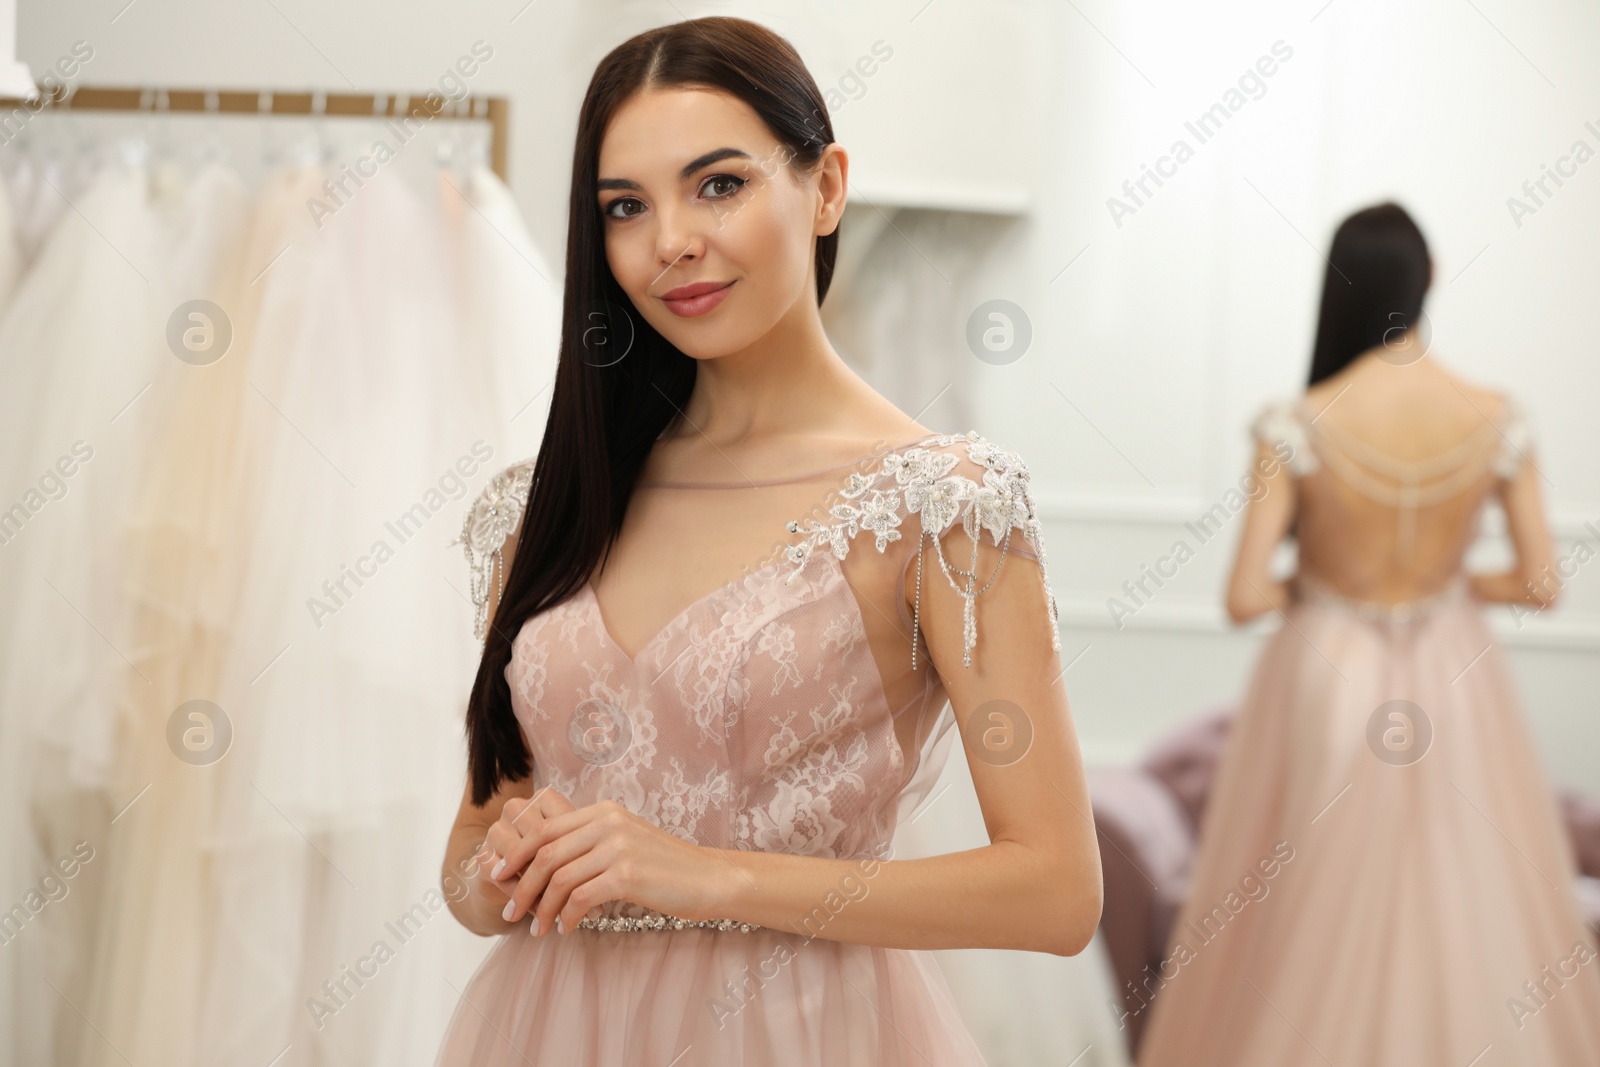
[1486,400]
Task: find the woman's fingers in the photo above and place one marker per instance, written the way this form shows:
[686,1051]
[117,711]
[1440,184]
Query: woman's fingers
[564,839]
[503,834]
[574,889]
[501,839]
[521,818]
[551,803]
[532,812]
[548,828]
[512,807]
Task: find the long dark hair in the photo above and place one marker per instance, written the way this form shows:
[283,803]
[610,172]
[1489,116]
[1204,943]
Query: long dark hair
[1377,275]
[618,382]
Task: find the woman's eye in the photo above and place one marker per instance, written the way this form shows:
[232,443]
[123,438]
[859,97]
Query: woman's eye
[629,201]
[734,185]
[718,187]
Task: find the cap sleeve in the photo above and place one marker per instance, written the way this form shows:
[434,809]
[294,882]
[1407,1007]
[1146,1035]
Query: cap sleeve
[1516,439]
[1279,427]
[489,521]
[926,492]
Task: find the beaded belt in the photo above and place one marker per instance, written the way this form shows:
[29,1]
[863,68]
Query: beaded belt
[629,923]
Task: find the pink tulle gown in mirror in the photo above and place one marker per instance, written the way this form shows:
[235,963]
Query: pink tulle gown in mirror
[1383,877]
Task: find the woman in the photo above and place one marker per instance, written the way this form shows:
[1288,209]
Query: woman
[717,666]
[1382,877]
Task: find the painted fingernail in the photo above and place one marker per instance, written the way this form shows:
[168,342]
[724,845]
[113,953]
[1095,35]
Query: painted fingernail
[535,928]
[495,874]
[511,906]
[559,928]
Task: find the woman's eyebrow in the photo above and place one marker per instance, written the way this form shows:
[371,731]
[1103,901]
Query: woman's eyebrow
[713,156]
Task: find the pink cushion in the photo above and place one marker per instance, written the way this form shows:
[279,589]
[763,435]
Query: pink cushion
[1146,851]
[1589,900]
[1582,815]
[1185,758]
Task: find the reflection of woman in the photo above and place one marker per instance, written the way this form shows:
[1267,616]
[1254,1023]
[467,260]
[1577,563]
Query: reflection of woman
[1417,877]
[723,619]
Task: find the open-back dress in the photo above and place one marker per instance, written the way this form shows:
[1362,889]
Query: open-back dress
[1383,878]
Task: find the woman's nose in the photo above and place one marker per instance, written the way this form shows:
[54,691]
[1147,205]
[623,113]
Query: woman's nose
[679,236]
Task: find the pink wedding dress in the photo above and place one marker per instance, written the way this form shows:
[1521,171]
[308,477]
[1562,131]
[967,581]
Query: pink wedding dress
[779,712]
[1383,878]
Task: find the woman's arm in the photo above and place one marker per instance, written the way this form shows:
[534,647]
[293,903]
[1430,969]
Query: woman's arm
[1037,884]
[1532,579]
[1252,590]
[474,898]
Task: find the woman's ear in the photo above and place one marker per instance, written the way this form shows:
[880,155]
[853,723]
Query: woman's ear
[833,180]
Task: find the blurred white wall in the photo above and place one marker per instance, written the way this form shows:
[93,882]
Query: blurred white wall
[1153,341]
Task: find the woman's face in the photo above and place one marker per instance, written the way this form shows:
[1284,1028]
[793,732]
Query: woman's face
[708,228]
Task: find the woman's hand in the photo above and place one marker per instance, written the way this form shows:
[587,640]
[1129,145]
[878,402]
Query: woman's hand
[578,860]
[520,818]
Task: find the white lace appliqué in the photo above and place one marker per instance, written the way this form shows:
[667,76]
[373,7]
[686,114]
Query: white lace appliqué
[1517,431]
[921,478]
[493,515]
[1278,425]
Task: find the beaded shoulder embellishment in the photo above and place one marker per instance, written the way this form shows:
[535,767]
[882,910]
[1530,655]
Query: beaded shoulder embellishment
[1278,423]
[489,521]
[919,481]
[1518,433]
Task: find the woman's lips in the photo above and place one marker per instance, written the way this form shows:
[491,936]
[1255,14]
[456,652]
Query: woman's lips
[697,299]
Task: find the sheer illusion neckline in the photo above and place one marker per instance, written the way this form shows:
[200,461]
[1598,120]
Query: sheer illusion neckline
[765,565]
[790,479]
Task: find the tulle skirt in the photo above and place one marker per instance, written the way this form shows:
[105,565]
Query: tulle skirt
[594,998]
[1383,877]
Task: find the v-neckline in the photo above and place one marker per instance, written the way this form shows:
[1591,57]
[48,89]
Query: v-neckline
[650,643]
[633,660]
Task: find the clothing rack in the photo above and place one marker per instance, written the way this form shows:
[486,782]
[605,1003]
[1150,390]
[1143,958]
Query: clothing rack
[426,106]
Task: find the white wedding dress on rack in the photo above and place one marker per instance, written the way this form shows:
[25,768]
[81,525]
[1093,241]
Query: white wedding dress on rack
[270,531]
[150,956]
[11,258]
[40,187]
[343,675]
[510,301]
[79,356]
